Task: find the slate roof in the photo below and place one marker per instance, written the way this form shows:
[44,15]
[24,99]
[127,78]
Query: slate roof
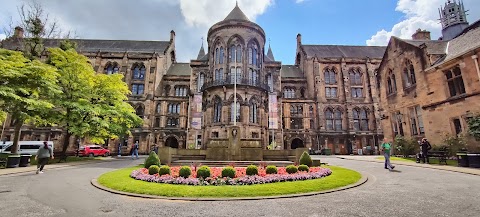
[433,46]
[236,14]
[461,45]
[180,69]
[94,45]
[338,51]
[291,71]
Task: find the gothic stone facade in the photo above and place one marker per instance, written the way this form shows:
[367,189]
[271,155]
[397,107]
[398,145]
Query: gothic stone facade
[327,99]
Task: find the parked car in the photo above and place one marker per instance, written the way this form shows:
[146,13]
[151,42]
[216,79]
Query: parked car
[25,147]
[93,150]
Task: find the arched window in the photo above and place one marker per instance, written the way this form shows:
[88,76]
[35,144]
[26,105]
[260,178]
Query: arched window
[217,55]
[250,55]
[219,74]
[238,74]
[329,119]
[232,112]
[330,77]
[338,120]
[181,91]
[296,110]
[356,119]
[394,83]
[159,108]
[201,81]
[270,82]
[252,77]
[111,68]
[363,120]
[221,55]
[217,110]
[412,74]
[356,83]
[289,93]
[409,74]
[253,112]
[174,108]
[255,56]
[391,83]
[140,111]
[138,71]
[232,54]
[239,54]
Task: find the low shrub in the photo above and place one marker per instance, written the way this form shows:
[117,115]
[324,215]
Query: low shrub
[153,169]
[305,159]
[252,170]
[203,172]
[185,172]
[228,172]
[164,170]
[291,169]
[303,168]
[272,169]
[152,159]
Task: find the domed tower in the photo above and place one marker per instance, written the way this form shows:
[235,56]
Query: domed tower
[453,18]
[234,88]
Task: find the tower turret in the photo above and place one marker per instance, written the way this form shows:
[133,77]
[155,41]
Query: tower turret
[453,18]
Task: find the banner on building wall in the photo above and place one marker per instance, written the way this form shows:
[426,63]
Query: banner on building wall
[272,111]
[197,112]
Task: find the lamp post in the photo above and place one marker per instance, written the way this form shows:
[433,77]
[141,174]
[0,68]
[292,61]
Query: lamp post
[235,89]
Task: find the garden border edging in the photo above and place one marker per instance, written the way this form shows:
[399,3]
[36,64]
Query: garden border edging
[360,182]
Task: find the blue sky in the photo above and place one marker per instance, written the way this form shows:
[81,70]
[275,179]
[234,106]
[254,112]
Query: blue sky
[343,22]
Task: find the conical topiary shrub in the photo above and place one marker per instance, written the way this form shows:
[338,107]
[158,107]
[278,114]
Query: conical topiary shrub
[306,159]
[152,160]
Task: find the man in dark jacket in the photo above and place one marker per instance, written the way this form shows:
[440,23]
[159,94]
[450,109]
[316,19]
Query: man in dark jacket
[425,146]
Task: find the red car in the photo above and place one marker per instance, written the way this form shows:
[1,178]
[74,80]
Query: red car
[93,150]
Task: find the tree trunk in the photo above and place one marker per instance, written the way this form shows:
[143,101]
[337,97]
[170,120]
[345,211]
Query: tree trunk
[16,138]
[66,142]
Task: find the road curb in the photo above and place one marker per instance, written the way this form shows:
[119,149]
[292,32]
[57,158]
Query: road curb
[360,182]
[414,165]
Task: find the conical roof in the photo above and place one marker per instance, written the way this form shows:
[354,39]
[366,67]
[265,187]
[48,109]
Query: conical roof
[270,54]
[201,53]
[236,14]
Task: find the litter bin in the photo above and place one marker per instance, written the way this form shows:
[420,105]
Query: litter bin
[13,161]
[462,159]
[473,160]
[25,160]
[327,151]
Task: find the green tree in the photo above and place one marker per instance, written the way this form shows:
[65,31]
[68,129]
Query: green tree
[26,87]
[474,126]
[91,105]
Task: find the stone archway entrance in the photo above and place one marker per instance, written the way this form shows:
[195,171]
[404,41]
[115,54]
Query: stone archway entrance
[297,143]
[171,142]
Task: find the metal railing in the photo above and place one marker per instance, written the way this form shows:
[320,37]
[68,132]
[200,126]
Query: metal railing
[231,81]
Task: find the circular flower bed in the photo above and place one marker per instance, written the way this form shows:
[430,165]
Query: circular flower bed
[240,178]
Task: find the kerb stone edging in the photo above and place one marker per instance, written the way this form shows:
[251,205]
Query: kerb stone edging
[362,181]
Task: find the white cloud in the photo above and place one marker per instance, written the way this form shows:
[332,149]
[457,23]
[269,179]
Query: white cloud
[421,14]
[144,19]
[299,1]
[2,36]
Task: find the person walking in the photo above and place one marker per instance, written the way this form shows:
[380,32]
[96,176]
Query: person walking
[43,154]
[135,150]
[386,146]
[425,145]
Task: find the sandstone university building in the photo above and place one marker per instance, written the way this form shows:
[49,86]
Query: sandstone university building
[236,99]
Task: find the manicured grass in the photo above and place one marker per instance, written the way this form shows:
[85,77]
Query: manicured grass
[121,181]
[411,159]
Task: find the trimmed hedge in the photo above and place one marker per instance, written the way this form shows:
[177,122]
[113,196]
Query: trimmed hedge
[305,159]
[252,170]
[152,170]
[203,172]
[291,169]
[303,168]
[185,171]
[164,170]
[272,169]
[228,172]
[152,159]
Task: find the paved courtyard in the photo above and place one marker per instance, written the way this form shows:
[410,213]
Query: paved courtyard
[410,191]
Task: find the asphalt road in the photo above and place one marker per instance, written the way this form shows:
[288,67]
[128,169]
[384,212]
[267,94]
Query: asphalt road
[409,191]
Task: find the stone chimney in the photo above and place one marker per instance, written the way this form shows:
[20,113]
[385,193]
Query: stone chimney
[172,35]
[18,33]
[421,35]
[299,39]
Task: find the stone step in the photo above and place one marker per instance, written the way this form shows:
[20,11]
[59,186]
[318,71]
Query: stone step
[227,163]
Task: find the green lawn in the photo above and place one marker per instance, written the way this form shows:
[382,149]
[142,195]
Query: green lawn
[411,159]
[121,181]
